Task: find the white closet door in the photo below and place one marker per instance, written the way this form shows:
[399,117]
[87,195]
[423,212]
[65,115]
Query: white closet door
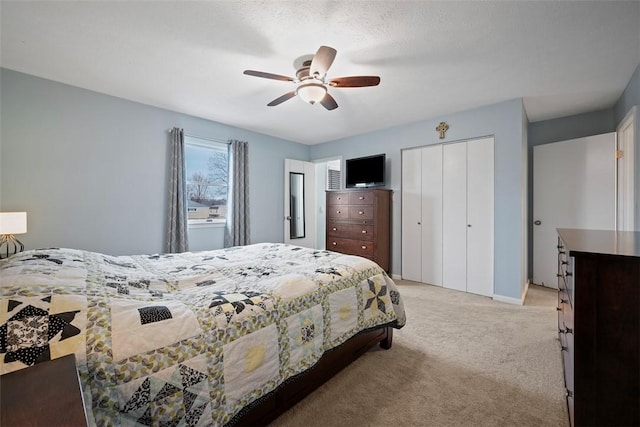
[480,162]
[411,215]
[432,215]
[454,216]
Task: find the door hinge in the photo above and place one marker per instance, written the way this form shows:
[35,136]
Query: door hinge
[618,154]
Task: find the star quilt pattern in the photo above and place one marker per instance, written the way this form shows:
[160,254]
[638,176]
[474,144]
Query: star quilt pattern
[186,339]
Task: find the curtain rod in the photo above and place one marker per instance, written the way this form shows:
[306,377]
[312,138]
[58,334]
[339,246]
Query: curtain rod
[220,141]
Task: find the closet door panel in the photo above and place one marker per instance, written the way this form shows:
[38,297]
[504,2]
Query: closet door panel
[480,188]
[454,216]
[432,215]
[411,215]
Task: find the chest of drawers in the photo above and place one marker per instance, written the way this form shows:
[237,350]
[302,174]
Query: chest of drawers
[599,325]
[358,223]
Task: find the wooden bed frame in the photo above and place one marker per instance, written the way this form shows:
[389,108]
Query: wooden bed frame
[297,388]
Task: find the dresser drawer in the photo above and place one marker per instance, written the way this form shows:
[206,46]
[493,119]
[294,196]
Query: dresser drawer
[361,212]
[355,247]
[337,212]
[565,312]
[350,231]
[567,349]
[361,198]
[337,198]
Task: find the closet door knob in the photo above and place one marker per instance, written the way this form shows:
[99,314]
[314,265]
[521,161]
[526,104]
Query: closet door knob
[364,231]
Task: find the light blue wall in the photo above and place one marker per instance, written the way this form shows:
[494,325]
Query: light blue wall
[505,122]
[629,98]
[91,169]
[571,127]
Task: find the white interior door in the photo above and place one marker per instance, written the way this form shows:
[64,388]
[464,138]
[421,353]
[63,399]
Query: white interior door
[411,215]
[299,203]
[480,189]
[626,210]
[454,216]
[431,207]
[573,187]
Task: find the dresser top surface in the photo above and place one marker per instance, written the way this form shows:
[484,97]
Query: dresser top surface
[622,243]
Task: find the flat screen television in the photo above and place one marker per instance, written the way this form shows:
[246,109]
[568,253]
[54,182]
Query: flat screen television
[365,171]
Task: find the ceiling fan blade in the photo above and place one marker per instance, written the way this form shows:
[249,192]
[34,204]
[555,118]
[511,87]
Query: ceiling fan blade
[355,81]
[328,102]
[282,98]
[322,60]
[268,75]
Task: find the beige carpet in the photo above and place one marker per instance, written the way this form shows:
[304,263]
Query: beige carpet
[462,360]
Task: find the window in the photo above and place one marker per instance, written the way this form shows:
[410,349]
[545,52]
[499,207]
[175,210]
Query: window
[207,171]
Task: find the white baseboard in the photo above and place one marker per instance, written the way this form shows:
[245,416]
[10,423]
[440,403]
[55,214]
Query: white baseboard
[396,277]
[510,300]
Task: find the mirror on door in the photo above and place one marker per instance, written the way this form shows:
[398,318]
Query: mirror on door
[296,205]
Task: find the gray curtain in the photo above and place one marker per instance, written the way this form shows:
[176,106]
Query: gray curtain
[177,239]
[237,232]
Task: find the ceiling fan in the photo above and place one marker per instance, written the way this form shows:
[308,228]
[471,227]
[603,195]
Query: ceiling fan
[312,85]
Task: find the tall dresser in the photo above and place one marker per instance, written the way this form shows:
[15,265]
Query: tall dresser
[358,223]
[599,325]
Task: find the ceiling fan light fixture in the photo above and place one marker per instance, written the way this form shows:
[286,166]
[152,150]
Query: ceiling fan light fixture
[311,92]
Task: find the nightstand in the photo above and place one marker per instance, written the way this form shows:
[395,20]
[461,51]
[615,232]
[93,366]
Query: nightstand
[46,394]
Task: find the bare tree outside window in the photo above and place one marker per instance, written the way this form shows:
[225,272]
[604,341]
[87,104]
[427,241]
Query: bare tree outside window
[207,179]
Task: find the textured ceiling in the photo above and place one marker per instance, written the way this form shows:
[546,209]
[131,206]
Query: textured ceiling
[434,58]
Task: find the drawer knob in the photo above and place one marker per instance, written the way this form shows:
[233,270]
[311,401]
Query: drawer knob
[361,197]
[335,229]
[360,213]
[339,198]
[337,212]
[334,243]
[364,231]
[364,247]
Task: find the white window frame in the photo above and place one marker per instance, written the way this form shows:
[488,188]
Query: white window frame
[208,144]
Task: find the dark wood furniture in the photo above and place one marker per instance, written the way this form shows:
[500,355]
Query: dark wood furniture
[599,325]
[358,223]
[46,394]
[297,388]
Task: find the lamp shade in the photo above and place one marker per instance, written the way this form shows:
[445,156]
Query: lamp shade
[13,222]
[311,92]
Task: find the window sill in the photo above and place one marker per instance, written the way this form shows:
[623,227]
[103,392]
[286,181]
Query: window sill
[207,223]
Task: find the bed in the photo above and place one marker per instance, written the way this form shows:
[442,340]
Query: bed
[226,337]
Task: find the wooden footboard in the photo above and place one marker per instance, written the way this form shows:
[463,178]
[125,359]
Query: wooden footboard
[300,386]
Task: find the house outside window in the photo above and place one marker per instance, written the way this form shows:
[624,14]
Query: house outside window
[207,172]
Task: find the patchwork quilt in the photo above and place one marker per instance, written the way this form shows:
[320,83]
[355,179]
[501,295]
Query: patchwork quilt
[186,339]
